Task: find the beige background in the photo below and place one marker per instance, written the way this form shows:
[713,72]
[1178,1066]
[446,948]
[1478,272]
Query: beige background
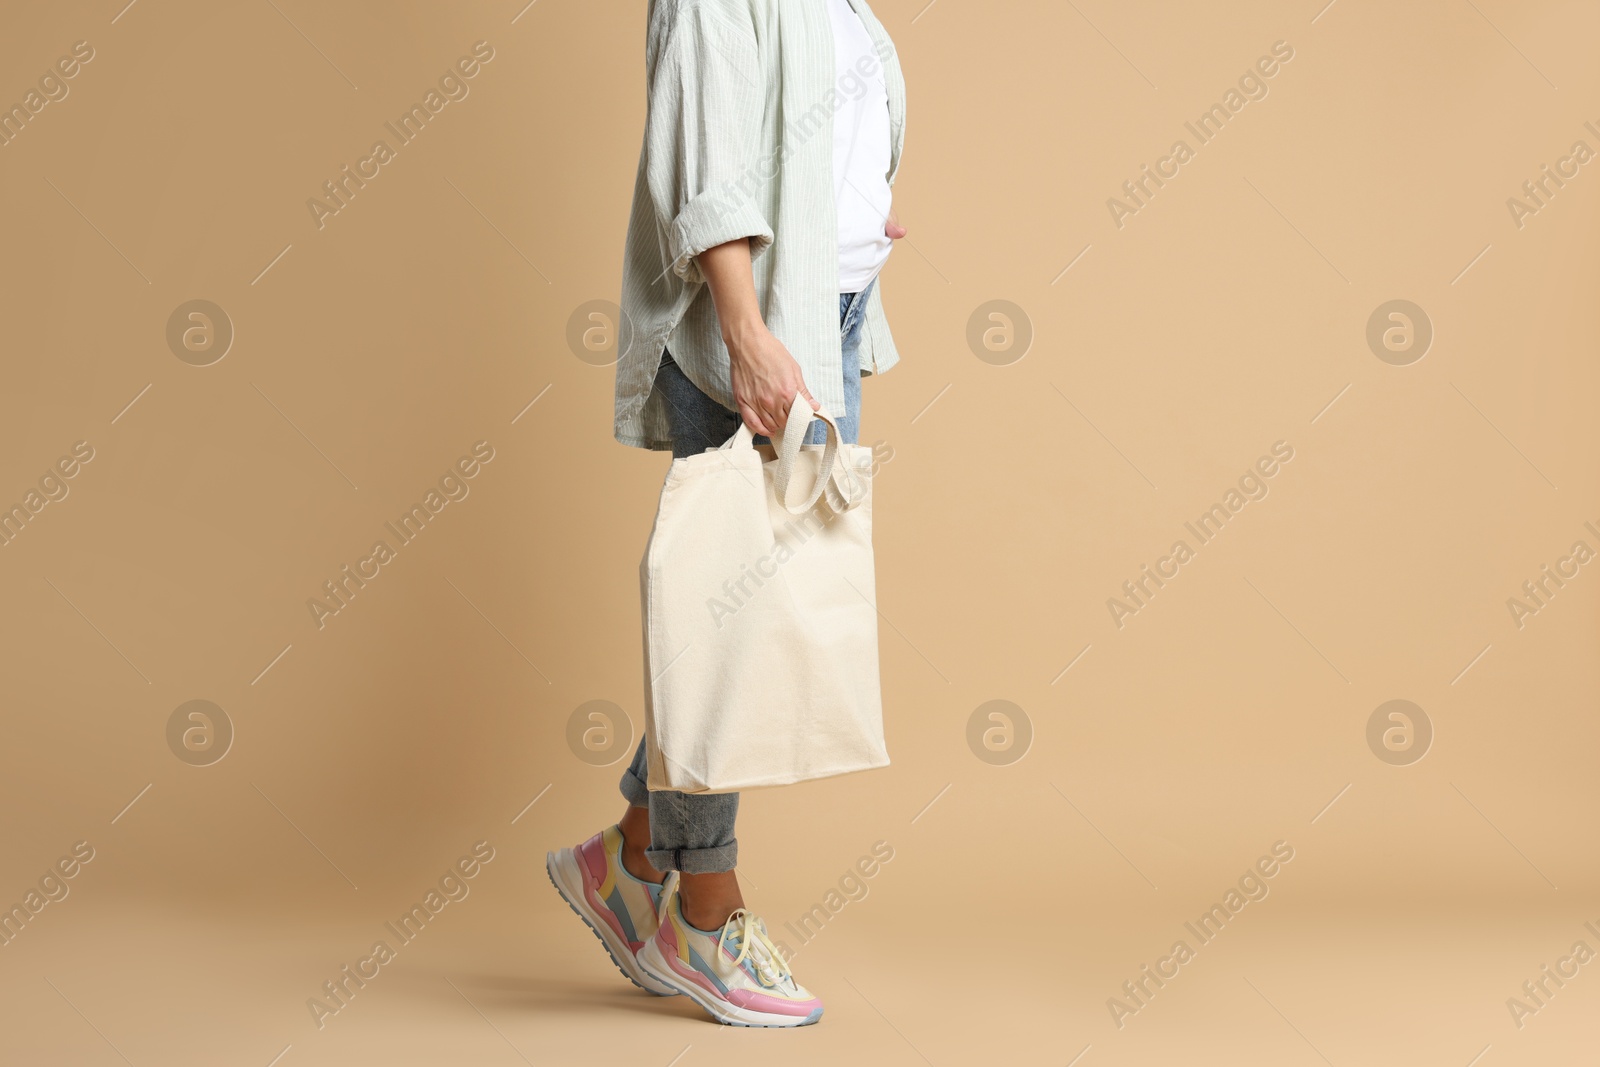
[1228,314]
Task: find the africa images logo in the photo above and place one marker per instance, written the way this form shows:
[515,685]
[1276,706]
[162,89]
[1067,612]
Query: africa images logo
[453,486]
[453,86]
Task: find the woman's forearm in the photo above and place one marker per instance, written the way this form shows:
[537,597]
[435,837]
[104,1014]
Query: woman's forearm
[763,374]
[728,274]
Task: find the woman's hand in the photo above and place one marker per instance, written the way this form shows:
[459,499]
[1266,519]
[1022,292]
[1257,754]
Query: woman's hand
[765,378]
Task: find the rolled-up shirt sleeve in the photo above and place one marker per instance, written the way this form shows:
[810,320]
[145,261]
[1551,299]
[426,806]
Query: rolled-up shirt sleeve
[703,137]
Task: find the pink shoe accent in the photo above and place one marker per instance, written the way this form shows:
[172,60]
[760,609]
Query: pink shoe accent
[591,857]
[669,940]
[669,952]
[745,998]
[592,861]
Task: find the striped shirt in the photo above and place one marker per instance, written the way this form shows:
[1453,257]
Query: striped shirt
[738,142]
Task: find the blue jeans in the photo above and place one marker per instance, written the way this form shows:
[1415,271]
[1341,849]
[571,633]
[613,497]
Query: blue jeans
[693,832]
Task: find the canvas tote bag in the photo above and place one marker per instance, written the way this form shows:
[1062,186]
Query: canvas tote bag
[760,617]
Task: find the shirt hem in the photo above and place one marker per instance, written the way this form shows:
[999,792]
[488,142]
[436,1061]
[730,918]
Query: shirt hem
[633,440]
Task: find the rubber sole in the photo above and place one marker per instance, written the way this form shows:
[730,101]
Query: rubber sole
[573,895]
[652,963]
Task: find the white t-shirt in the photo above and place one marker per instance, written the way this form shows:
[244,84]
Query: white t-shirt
[860,151]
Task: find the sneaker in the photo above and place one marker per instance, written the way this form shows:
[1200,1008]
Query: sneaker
[736,973]
[621,910]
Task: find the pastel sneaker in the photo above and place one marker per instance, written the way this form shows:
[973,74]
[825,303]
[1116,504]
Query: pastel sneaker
[621,909]
[736,973]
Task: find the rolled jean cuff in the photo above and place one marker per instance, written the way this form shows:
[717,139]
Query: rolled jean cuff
[634,790]
[695,860]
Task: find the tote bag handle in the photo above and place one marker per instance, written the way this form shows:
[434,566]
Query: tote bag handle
[789,442]
[791,439]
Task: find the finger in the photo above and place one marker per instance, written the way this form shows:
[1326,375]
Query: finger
[777,414]
[811,399]
[752,418]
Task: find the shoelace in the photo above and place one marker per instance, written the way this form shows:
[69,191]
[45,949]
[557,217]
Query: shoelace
[754,944]
[771,968]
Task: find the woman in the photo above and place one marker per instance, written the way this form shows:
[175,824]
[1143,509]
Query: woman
[761,211]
